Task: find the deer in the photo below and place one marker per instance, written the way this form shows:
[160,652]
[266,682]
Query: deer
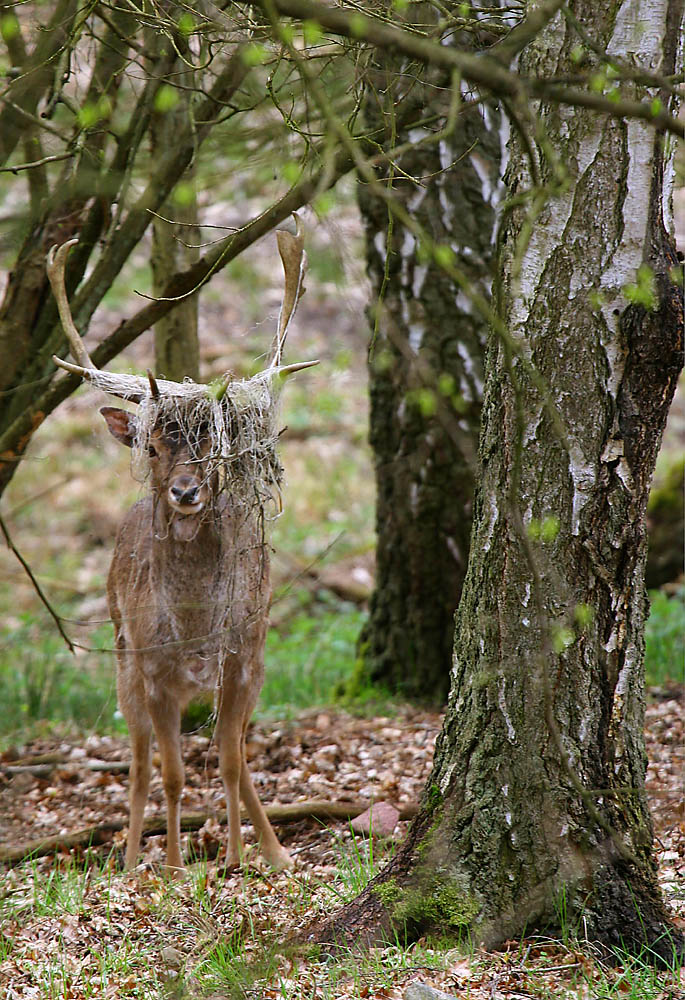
[188,588]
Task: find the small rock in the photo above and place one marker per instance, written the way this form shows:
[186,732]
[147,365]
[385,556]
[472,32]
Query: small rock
[323,722]
[380,820]
[172,957]
[422,991]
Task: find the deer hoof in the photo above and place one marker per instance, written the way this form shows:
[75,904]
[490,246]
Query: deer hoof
[280,861]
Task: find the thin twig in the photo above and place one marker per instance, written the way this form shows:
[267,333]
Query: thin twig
[36,163]
[36,586]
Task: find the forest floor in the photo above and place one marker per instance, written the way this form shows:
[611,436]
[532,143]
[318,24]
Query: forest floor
[73,926]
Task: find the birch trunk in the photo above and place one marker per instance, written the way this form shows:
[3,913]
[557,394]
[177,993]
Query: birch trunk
[425,374]
[537,800]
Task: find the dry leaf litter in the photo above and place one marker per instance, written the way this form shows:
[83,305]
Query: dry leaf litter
[328,755]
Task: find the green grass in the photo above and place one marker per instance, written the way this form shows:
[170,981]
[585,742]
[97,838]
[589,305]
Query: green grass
[305,664]
[665,639]
[47,690]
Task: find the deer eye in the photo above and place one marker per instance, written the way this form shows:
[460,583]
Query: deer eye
[152,451]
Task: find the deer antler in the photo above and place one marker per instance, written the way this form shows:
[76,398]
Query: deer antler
[56,263]
[294,260]
[135,387]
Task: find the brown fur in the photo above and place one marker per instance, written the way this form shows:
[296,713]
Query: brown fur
[189,595]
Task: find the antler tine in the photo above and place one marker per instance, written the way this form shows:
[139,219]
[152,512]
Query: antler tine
[294,259]
[56,263]
[154,388]
[55,267]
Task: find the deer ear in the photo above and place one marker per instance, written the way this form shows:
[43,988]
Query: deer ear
[120,423]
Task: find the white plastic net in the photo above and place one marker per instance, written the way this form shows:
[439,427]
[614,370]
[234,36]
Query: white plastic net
[235,435]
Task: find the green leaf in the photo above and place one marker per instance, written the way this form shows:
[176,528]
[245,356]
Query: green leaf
[562,639]
[382,361]
[584,614]
[291,172]
[534,530]
[183,194]
[656,107]
[9,27]
[312,31]
[642,292]
[425,399]
[186,23]
[166,98]
[255,54]
[358,25]
[423,253]
[549,529]
[324,203]
[287,33]
[446,384]
[444,255]
[88,115]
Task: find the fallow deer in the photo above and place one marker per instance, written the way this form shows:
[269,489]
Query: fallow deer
[188,587]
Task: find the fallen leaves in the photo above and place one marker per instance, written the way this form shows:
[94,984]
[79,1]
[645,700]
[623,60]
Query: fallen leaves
[108,934]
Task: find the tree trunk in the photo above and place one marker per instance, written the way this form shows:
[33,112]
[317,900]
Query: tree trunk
[425,374]
[536,804]
[175,234]
[177,349]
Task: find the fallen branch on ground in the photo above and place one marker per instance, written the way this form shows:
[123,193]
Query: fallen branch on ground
[90,836]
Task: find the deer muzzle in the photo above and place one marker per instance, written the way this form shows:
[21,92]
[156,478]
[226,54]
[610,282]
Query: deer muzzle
[186,495]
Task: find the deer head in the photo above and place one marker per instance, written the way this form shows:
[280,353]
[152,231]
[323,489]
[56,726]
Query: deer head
[197,440]
[183,480]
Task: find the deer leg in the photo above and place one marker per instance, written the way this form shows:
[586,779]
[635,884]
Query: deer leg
[131,696]
[276,855]
[166,719]
[230,757]
[141,732]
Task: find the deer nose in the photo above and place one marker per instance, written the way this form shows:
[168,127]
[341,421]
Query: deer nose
[185,495]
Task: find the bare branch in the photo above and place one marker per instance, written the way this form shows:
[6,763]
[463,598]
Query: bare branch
[35,164]
[36,586]
[483,71]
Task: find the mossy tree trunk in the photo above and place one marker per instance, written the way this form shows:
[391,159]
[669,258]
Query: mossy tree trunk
[536,802]
[425,372]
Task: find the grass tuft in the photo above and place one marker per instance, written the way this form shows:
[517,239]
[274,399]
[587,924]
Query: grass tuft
[665,639]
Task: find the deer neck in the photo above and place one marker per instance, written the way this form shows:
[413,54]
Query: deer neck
[187,567]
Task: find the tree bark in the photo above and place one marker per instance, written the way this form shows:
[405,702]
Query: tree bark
[536,803]
[425,375]
[174,249]
[176,237]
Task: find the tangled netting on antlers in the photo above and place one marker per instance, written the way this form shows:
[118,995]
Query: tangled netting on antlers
[235,435]
[230,426]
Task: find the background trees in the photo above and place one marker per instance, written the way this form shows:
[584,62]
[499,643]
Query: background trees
[88,94]
[425,358]
[570,432]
